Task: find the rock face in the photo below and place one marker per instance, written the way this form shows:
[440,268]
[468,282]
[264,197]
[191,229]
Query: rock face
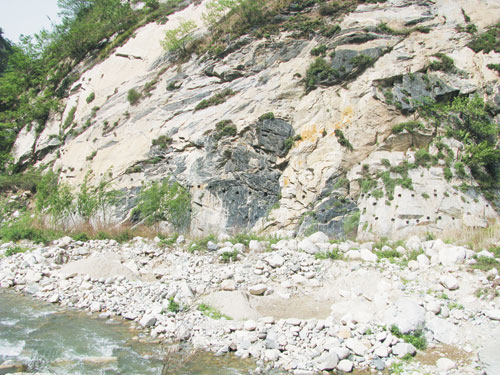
[244,175]
[306,166]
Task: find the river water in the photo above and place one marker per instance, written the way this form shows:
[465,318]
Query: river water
[50,339]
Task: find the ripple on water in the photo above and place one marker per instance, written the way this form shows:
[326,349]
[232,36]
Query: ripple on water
[11,348]
[51,340]
[8,322]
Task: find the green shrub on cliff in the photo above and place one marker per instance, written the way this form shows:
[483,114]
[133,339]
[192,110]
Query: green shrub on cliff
[176,40]
[164,201]
[487,41]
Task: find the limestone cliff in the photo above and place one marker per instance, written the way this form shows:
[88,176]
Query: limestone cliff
[303,167]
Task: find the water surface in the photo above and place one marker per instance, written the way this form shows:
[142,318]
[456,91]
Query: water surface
[49,339]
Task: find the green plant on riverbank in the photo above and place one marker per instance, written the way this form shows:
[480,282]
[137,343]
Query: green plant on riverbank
[485,264]
[229,256]
[333,254]
[245,238]
[55,200]
[26,229]
[416,338]
[212,312]
[201,244]
[173,306]
[15,250]
[164,201]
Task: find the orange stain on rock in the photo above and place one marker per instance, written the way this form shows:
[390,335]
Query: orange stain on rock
[310,133]
[346,118]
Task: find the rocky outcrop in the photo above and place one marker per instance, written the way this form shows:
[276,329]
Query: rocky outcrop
[250,179]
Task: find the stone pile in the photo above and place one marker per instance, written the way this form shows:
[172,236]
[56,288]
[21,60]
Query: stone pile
[292,308]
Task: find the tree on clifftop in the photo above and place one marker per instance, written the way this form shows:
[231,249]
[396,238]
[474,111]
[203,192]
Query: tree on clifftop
[5,51]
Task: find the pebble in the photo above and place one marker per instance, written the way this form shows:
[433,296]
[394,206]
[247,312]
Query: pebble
[257,290]
[449,282]
[493,314]
[345,365]
[446,364]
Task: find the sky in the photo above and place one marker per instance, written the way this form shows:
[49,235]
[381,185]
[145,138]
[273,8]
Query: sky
[26,17]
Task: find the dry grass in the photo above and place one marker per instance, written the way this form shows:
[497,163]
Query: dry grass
[475,238]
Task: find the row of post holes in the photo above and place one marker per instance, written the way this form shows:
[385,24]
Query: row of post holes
[417,220]
[399,196]
[236,192]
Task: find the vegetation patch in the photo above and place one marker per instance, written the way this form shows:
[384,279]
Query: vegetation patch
[343,141]
[410,126]
[319,71]
[202,243]
[445,63]
[164,201]
[487,41]
[225,128]
[351,224]
[245,239]
[212,312]
[217,99]
[90,98]
[383,28]
[163,141]
[267,116]
[173,306]
[71,117]
[319,50]
[467,119]
[361,62]
[416,338]
[176,40]
[485,264]
[133,96]
[495,67]
[18,181]
[334,255]
[26,229]
[15,250]
[229,256]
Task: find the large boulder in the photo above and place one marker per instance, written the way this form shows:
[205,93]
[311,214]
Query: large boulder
[443,330]
[488,355]
[307,246]
[405,314]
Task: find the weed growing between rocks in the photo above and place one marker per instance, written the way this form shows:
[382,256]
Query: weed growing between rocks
[15,250]
[162,142]
[133,96]
[217,99]
[487,41]
[351,224]
[173,306]
[212,312]
[416,338]
[383,28]
[201,244]
[225,128]
[334,255]
[245,238]
[485,263]
[229,256]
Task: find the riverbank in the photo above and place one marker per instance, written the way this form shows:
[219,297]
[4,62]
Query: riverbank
[302,305]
